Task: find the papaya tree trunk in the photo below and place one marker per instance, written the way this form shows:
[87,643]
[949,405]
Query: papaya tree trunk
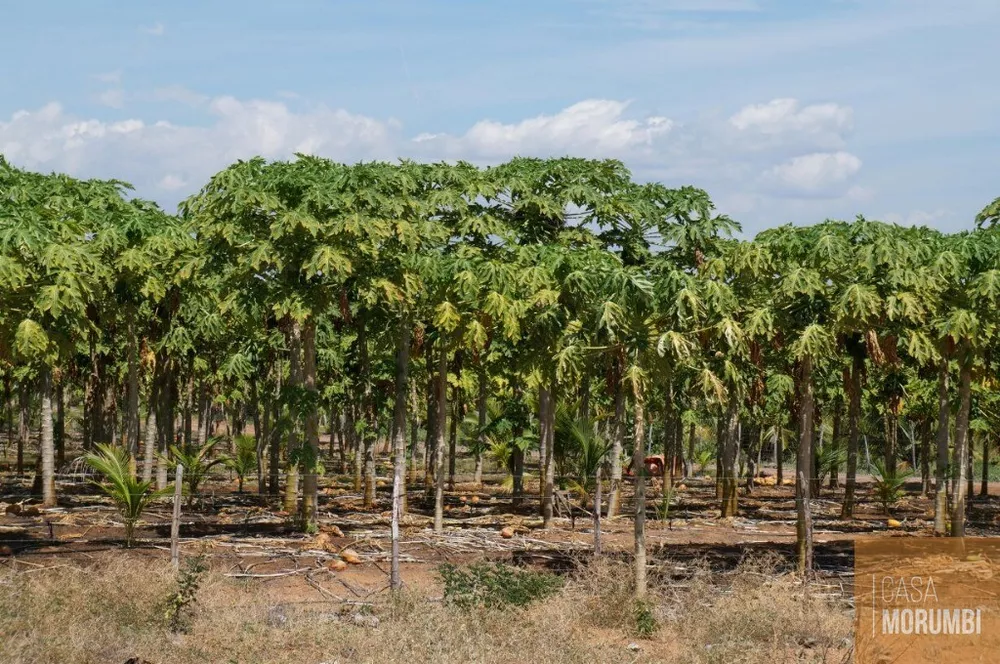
[60,425]
[961,454]
[189,404]
[8,408]
[853,435]
[149,433]
[273,435]
[545,455]
[132,398]
[481,408]
[430,435]
[23,423]
[617,443]
[925,457]
[47,442]
[333,430]
[720,443]
[291,499]
[399,447]
[941,439]
[414,431]
[639,470]
[803,530]
[167,401]
[310,484]
[689,461]
[597,511]
[891,438]
[984,489]
[835,444]
[368,439]
[439,441]
[458,414]
[731,442]
[261,422]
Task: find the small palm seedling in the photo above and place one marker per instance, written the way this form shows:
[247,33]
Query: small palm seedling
[663,509]
[244,462]
[196,464]
[131,496]
[889,485]
[589,450]
[831,457]
[703,456]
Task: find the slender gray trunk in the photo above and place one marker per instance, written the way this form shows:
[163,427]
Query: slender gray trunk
[291,499]
[731,442]
[458,414]
[165,419]
[545,405]
[481,407]
[853,434]
[132,397]
[23,423]
[47,442]
[430,435]
[273,435]
[399,448]
[803,528]
[149,433]
[414,431]
[60,426]
[597,512]
[368,407]
[617,443]
[961,454]
[941,440]
[925,457]
[310,484]
[984,487]
[639,466]
[689,461]
[439,441]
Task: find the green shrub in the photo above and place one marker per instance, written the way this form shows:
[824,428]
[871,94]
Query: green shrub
[179,603]
[494,585]
[645,620]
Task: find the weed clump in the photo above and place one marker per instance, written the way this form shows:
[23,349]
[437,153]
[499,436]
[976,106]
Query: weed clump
[494,585]
[181,601]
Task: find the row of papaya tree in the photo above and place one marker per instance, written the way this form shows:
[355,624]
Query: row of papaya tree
[409,308]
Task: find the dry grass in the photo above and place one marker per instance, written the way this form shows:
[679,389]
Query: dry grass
[114,610]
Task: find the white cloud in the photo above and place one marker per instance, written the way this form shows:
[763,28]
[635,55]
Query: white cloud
[782,121]
[596,127]
[169,156]
[114,98]
[720,153]
[820,173]
[782,114]
[157,29]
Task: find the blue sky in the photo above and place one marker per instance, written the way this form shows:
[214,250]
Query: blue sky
[784,111]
